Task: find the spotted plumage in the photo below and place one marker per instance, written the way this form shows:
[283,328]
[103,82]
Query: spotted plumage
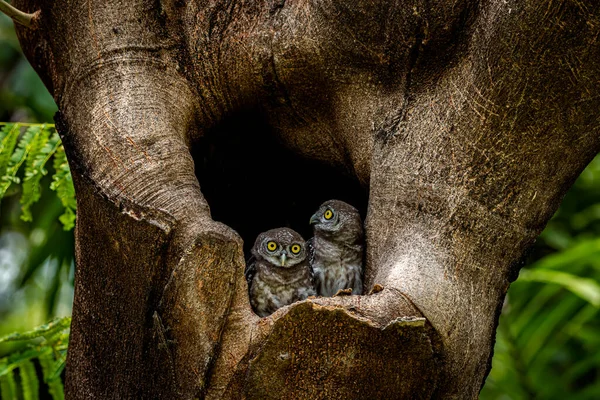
[278,273]
[336,251]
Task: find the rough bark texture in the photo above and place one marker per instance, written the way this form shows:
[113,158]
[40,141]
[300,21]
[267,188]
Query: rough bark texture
[464,122]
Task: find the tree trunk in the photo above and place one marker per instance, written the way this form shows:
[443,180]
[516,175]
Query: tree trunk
[455,125]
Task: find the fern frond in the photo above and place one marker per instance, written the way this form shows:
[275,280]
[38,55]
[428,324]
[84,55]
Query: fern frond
[8,140]
[62,183]
[59,366]
[17,159]
[8,386]
[37,146]
[51,353]
[51,373]
[15,359]
[42,148]
[55,326]
[29,381]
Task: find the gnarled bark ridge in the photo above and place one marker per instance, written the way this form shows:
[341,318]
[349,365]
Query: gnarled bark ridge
[464,122]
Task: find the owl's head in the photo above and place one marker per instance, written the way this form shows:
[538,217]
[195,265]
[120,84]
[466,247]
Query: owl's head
[338,220]
[281,247]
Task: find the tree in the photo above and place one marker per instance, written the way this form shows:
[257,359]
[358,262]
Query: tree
[462,122]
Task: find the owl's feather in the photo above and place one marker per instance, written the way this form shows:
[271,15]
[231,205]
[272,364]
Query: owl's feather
[310,251]
[250,269]
[336,251]
[279,277]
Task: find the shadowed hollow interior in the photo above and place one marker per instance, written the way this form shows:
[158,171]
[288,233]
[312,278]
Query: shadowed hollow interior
[253,183]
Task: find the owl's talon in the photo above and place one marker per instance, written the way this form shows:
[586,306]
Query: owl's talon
[376,289]
[343,292]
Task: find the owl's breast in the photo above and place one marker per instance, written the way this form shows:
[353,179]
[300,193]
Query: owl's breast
[337,268]
[274,288]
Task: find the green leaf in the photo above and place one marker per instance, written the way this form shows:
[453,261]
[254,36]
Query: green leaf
[37,146]
[17,159]
[8,140]
[582,252]
[29,381]
[15,359]
[589,363]
[554,344]
[42,148]
[62,183]
[52,327]
[586,288]
[51,353]
[8,386]
[51,372]
[532,308]
[59,366]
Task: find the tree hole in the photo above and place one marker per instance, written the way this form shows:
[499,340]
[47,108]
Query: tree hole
[253,183]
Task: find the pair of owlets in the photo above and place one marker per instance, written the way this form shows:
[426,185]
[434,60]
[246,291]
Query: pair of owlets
[284,268]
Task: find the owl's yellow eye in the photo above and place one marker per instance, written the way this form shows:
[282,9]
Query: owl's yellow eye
[328,215]
[271,246]
[295,249]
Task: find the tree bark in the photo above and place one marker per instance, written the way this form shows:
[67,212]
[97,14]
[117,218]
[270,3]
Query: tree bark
[463,122]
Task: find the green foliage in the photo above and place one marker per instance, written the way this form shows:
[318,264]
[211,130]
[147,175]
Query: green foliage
[586,288]
[23,96]
[29,381]
[46,330]
[8,386]
[52,376]
[62,183]
[17,159]
[548,340]
[38,144]
[8,140]
[45,146]
[36,271]
[48,345]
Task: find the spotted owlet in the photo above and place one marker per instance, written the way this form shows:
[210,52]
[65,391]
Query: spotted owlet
[278,273]
[336,249]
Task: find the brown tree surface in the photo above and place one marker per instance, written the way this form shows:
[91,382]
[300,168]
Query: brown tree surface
[455,125]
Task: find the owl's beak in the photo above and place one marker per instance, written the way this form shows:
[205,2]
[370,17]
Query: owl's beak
[314,219]
[282,258]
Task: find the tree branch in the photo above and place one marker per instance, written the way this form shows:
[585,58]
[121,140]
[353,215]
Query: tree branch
[20,17]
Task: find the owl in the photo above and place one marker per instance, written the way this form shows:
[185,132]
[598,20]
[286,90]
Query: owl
[278,273]
[336,251]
